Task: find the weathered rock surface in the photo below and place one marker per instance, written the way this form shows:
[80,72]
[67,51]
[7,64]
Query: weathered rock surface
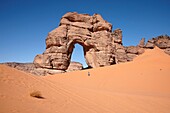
[131,56]
[120,53]
[167,51]
[30,68]
[74,66]
[163,42]
[133,51]
[101,46]
[142,43]
[150,44]
[92,32]
[27,67]
[117,36]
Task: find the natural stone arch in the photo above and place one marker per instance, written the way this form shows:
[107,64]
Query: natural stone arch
[87,49]
[71,47]
[92,32]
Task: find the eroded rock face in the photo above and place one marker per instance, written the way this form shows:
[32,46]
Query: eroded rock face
[150,44]
[167,51]
[142,43]
[120,53]
[117,36]
[74,66]
[92,32]
[163,42]
[30,68]
[102,47]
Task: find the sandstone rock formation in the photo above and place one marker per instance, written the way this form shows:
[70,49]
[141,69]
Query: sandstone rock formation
[101,46]
[142,43]
[163,42]
[121,53]
[30,68]
[167,51]
[117,36]
[91,32]
[150,44]
[74,66]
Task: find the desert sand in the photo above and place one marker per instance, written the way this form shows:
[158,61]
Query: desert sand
[140,86]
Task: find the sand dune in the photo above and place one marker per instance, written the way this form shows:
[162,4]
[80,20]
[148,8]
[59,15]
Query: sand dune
[141,86]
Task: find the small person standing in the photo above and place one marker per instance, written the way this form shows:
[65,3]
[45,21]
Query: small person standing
[88,73]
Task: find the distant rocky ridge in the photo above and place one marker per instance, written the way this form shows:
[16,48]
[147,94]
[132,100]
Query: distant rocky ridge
[102,46]
[125,54]
[30,68]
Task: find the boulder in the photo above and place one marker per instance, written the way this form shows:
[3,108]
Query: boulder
[117,36]
[141,51]
[149,45]
[142,43]
[120,54]
[100,24]
[135,50]
[132,49]
[162,42]
[167,51]
[74,66]
[130,56]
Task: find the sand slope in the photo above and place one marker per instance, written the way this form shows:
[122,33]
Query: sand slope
[141,86]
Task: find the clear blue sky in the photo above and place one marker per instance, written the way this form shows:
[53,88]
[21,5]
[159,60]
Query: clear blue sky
[24,24]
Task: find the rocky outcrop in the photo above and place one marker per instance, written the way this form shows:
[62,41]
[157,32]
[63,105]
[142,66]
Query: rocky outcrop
[102,47]
[125,54]
[163,42]
[133,51]
[117,36]
[27,67]
[120,53]
[142,43]
[74,66]
[30,68]
[150,44]
[119,49]
[91,32]
[167,51]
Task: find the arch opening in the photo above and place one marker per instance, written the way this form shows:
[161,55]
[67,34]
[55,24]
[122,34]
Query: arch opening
[78,55]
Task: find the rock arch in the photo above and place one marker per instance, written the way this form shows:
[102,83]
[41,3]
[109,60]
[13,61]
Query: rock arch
[85,47]
[91,32]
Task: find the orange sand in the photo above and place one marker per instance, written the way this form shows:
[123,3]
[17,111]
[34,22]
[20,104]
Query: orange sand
[141,86]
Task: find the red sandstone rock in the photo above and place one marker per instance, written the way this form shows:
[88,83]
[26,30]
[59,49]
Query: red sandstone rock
[142,43]
[92,32]
[102,47]
[74,66]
